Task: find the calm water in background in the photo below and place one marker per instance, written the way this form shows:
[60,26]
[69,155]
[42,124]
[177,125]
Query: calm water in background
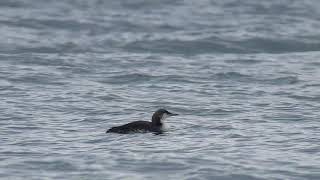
[243,75]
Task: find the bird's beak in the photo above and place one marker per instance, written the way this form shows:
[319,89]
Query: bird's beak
[173,114]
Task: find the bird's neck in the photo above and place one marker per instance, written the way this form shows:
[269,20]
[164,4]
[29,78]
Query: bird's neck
[156,121]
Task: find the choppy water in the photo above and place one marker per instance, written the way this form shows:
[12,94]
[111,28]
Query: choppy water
[243,75]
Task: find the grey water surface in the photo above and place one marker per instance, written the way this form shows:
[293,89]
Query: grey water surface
[243,75]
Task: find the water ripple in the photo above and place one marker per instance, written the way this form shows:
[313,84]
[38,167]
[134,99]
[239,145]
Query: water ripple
[243,78]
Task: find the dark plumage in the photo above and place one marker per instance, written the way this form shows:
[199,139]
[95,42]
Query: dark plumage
[144,126]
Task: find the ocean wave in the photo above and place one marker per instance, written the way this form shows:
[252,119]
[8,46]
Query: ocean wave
[47,79]
[282,80]
[127,78]
[240,77]
[306,98]
[182,46]
[232,76]
[220,45]
[271,45]
[147,78]
[243,61]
